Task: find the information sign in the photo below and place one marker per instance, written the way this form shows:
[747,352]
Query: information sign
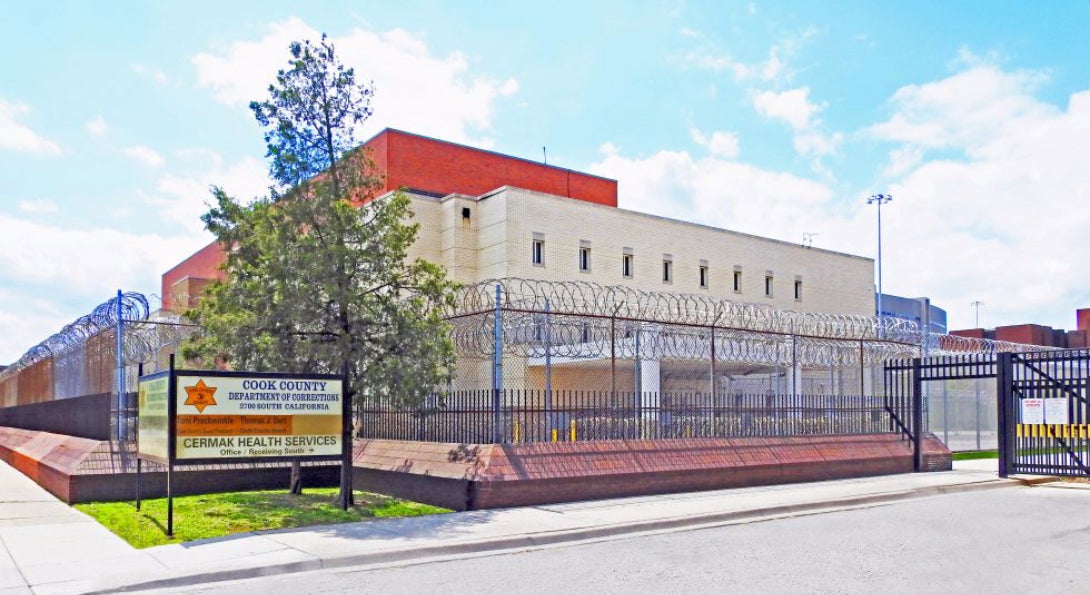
[1033,411]
[1056,411]
[257,417]
[191,417]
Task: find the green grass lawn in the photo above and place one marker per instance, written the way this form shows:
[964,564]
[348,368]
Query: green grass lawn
[975,454]
[216,515]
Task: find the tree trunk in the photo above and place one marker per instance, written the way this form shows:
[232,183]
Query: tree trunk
[296,484]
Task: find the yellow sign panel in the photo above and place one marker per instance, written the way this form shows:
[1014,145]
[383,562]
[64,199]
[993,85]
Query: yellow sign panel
[240,417]
[152,399]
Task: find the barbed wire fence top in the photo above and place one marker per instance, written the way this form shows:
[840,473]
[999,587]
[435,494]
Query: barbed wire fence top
[576,307]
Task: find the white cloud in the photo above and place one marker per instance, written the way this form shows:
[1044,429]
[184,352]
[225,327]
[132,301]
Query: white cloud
[154,74]
[774,69]
[902,160]
[792,106]
[795,109]
[38,207]
[717,191]
[18,137]
[1004,221]
[816,144]
[45,285]
[967,110]
[701,58]
[720,144]
[145,155]
[96,127]
[415,90]
[182,196]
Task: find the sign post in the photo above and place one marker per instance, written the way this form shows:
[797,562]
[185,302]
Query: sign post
[201,417]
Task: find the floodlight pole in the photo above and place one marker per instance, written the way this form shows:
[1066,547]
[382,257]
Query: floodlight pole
[880,199]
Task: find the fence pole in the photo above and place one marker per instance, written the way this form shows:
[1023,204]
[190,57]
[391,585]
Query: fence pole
[497,369]
[794,361]
[120,373]
[548,364]
[613,355]
[917,416]
[1003,373]
[862,385]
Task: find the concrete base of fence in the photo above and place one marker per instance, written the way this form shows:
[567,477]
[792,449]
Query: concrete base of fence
[479,476]
[83,470]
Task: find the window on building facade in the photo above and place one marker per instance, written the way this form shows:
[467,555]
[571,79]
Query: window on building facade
[738,281]
[703,276]
[768,285]
[667,271]
[584,259]
[626,265]
[798,289]
[538,253]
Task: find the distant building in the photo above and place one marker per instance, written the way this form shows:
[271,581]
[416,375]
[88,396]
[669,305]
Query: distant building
[1038,334]
[918,310]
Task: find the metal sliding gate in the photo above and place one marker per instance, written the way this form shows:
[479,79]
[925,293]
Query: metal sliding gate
[1043,413]
[904,382]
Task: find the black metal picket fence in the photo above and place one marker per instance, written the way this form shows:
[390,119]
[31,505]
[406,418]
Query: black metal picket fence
[568,416]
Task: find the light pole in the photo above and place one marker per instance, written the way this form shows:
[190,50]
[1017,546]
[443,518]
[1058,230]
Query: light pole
[976,312]
[880,199]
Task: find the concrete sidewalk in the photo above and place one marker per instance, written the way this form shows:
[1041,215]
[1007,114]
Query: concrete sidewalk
[48,547]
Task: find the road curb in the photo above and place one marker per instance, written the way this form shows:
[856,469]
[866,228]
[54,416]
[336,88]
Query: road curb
[538,540]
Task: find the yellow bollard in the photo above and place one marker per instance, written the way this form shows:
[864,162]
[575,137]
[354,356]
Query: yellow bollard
[554,434]
[573,430]
[516,432]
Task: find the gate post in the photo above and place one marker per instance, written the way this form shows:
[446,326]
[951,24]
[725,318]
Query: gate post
[917,416]
[1004,368]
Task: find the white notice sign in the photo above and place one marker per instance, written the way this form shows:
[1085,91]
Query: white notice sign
[1056,411]
[1033,411]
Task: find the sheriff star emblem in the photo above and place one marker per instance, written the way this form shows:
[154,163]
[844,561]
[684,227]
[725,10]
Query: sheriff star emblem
[200,395]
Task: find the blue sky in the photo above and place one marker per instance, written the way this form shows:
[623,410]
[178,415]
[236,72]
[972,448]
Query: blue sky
[764,117]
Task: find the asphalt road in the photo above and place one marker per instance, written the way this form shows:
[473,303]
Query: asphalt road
[1011,540]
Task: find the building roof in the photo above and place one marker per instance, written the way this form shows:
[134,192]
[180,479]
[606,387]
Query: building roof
[437,167]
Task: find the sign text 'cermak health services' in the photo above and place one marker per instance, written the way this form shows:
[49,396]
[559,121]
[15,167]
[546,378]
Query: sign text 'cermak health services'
[241,417]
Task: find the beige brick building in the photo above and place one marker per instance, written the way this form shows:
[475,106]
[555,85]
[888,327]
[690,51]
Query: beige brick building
[512,232]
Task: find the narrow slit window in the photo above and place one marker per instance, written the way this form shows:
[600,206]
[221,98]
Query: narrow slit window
[738,281]
[768,285]
[538,252]
[626,265]
[798,289]
[667,271]
[703,276]
[584,259]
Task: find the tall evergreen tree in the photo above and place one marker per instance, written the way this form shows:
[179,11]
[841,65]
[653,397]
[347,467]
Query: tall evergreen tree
[317,274]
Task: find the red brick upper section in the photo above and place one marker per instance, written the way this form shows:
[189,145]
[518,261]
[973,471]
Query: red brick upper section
[440,167]
[1082,319]
[205,264]
[1029,334]
[436,167]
